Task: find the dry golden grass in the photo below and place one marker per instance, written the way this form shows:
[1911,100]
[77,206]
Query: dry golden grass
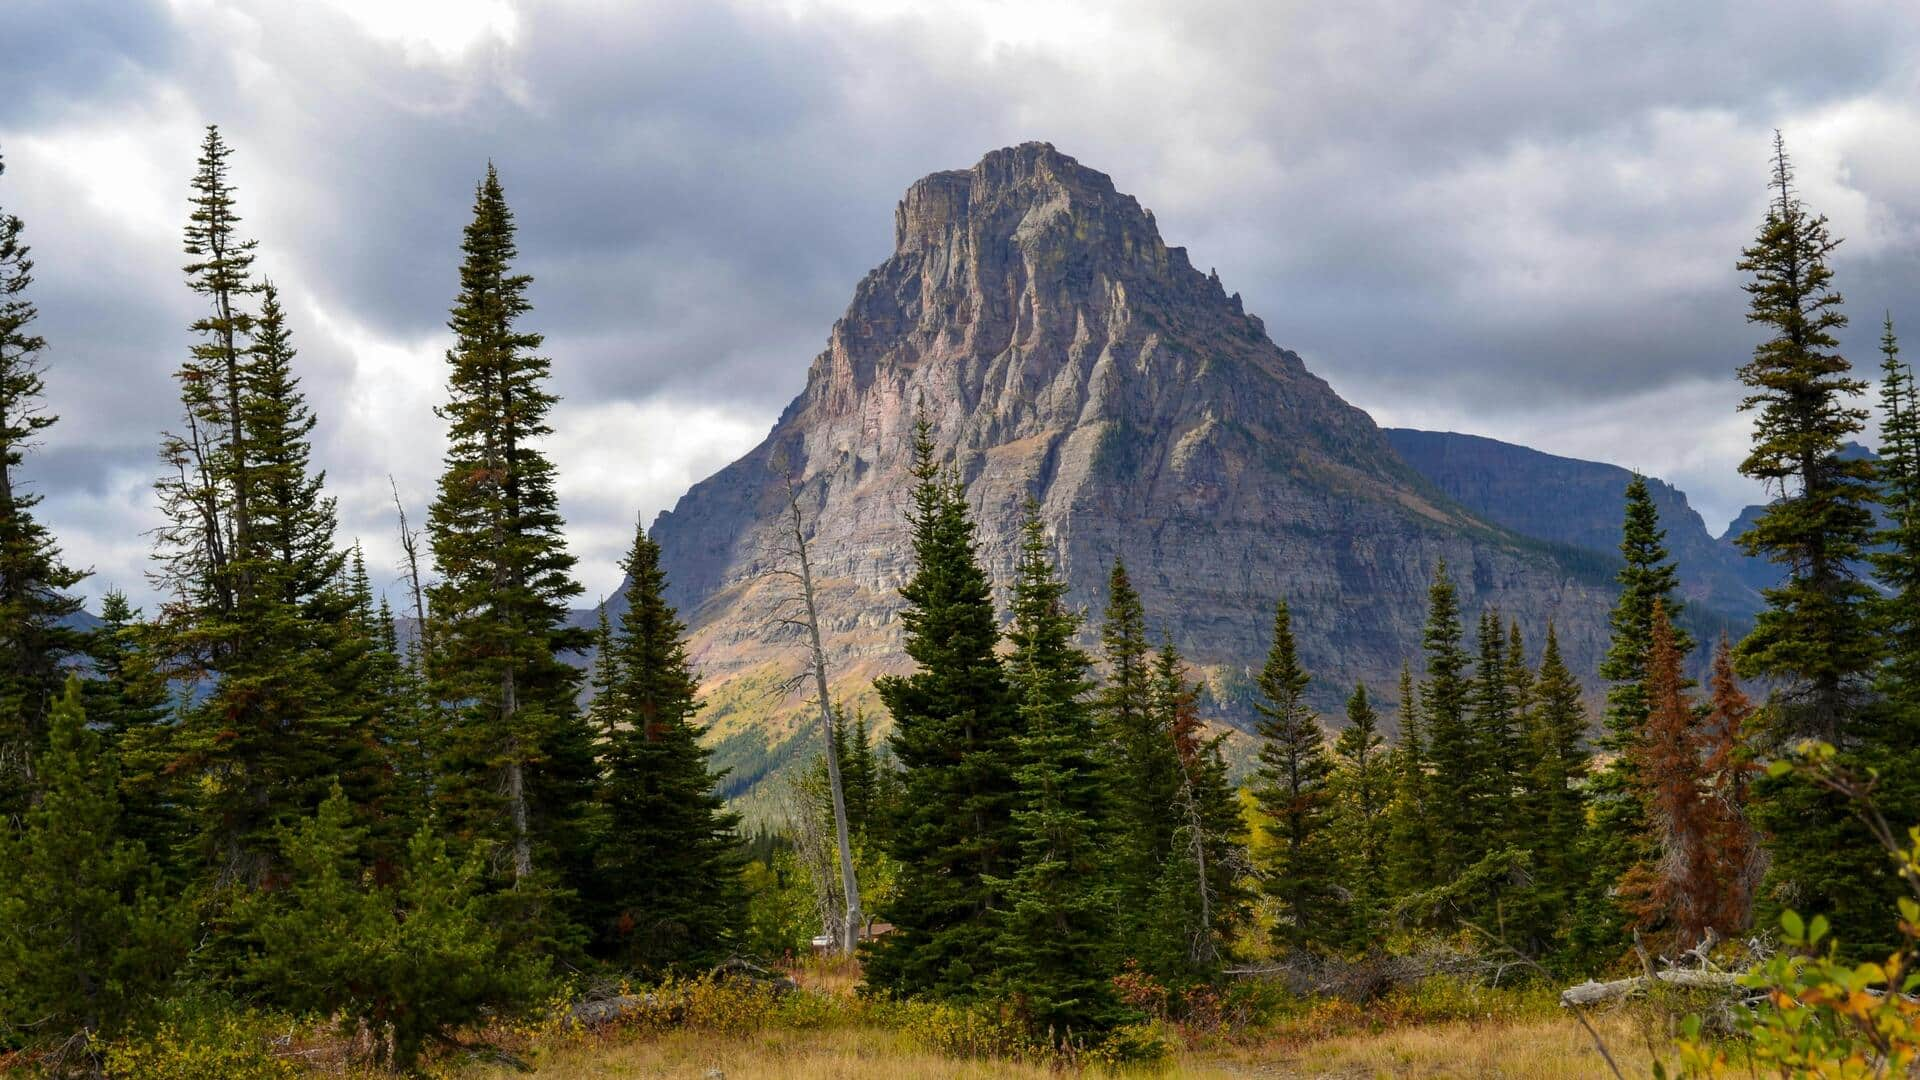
[1520,1050]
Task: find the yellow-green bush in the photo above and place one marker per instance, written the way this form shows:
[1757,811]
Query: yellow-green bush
[199,1045]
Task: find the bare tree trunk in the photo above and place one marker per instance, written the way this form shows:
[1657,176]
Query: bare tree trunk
[516,785]
[410,544]
[849,882]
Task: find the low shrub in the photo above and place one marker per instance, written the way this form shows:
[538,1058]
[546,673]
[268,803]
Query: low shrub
[196,1040]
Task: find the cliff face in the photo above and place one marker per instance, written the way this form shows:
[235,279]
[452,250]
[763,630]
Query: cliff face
[1061,349]
[1580,503]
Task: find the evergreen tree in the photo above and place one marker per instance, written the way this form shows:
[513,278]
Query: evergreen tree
[1896,560]
[1202,899]
[87,935]
[1410,860]
[1621,836]
[401,961]
[35,640]
[247,553]
[1146,772]
[1363,785]
[1293,789]
[1729,770]
[1557,815]
[515,762]
[1817,641]
[1057,955]
[1496,722]
[859,768]
[955,726]
[666,885]
[1455,751]
[1816,633]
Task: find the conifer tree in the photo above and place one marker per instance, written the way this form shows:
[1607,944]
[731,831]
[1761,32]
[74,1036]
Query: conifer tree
[1409,830]
[1729,770]
[87,934]
[955,726]
[1363,783]
[1496,723]
[666,884]
[1145,769]
[35,641]
[1816,632]
[1621,836]
[1293,789]
[1817,641]
[1057,956]
[1556,812]
[1896,560]
[1202,899]
[1454,749]
[1683,891]
[248,555]
[515,764]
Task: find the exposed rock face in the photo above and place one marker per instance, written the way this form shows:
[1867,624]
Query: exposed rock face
[1062,350]
[1579,503]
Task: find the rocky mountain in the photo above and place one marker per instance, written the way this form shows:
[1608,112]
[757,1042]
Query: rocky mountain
[1062,350]
[1580,503]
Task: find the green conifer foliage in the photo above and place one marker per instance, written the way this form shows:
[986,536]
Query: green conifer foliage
[666,892]
[1203,898]
[1410,860]
[34,640]
[1455,750]
[87,934]
[955,726]
[1363,792]
[1816,633]
[1557,782]
[1057,953]
[1293,788]
[1146,772]
[515,764]
[1896,562]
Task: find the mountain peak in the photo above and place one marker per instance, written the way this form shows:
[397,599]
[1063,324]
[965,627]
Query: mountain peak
[1022,195]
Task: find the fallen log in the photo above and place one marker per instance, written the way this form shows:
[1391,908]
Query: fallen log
[1595,993]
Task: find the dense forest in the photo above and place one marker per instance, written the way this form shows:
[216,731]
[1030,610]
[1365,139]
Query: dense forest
[265,795]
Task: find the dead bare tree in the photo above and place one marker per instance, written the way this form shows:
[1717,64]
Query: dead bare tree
[410,545]
[806,617]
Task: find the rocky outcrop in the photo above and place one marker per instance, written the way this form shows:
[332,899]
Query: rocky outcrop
[1580,503]
[1062,350]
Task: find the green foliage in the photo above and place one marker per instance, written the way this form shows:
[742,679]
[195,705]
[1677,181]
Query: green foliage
[1362,791]
[780,918]
[1816,633]
[407,960]
[514,758]
[196,1038]
[1896,560]
[955,729]
[1145,771]
[1056,953]
[34,643]
[88,936]
[1293,788]
[1556,819]
[665,890]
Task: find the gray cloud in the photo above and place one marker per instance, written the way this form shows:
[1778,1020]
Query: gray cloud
[1515,219]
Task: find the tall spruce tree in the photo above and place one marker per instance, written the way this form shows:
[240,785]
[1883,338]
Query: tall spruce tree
[1817,641]
[1556,827]
[1057,956]
[1621,836]
[247,555]
[1496,723]
[1293,787]
[1896,560]
[515,762]
[1363,787]
[1410,857]
[1203,899]
[1456,752]
[35,640]
[1816,633]
[1146,772]
[955,731]
[666,889]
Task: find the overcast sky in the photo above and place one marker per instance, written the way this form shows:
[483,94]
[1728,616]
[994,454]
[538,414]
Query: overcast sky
[1515,219]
